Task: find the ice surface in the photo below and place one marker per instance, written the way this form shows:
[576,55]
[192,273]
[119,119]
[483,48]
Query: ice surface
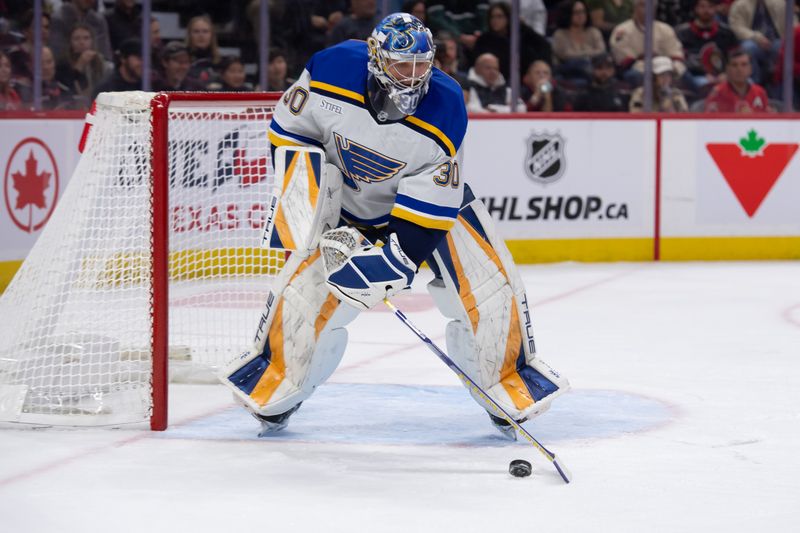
[685,417]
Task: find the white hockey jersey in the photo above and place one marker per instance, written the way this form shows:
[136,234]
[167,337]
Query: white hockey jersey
[404,169]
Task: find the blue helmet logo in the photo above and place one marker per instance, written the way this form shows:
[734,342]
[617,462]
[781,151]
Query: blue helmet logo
[404,33]
[401,54]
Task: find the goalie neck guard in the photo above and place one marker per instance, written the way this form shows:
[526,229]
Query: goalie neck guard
[400,64]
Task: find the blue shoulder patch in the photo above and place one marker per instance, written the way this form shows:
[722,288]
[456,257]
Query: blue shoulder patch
[443,108]
[343,66]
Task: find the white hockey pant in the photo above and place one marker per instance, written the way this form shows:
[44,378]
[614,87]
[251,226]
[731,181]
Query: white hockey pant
[491,335]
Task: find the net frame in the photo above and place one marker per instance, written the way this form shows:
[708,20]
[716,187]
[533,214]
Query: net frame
[156,177]
[160,106]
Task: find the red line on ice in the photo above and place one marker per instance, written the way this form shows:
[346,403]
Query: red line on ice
[58,463]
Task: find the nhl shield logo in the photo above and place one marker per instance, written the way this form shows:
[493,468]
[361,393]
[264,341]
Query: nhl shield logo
[545,161]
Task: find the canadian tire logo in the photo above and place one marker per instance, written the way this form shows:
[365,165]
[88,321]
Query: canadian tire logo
[545,162]
[752,167]
[31,184]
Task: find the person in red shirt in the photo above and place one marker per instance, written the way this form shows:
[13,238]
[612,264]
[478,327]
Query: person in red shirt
[9,99]
[737,94]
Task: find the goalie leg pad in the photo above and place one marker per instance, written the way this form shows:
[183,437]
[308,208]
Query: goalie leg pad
[300,342]
[310,200]
[491,336]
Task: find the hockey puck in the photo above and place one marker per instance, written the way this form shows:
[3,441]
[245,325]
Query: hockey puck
[519,468]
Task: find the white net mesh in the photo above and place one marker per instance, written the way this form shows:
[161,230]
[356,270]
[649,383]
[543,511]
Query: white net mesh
[75,338]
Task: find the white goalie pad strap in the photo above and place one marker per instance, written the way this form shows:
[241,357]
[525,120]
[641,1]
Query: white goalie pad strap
[309,203]
[492,335]
[300,341]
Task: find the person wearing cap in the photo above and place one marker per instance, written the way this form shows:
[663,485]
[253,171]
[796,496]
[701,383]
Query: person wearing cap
[666,98]
[128,74]
[175,64]
[602,94]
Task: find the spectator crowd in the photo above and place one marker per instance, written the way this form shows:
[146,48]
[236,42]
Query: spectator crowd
[581,55]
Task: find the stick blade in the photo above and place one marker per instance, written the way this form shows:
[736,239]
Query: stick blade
[563,471]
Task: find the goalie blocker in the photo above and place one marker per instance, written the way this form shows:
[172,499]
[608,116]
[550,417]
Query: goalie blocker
[301,336]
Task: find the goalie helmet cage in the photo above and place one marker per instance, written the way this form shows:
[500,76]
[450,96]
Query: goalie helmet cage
[150,263]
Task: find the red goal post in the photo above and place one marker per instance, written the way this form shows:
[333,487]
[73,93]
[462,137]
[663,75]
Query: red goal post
[160,105]
[150,267]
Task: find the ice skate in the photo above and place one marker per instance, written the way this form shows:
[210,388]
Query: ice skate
[504,427]
[274,423]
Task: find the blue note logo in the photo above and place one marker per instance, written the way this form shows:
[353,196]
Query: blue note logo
[362,164]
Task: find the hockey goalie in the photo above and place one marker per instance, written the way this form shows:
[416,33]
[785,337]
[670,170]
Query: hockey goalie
[365,146]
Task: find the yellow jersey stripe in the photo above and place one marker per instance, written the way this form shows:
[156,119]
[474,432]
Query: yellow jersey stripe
[280,141]
[425,222]
[435,131]
[337,90]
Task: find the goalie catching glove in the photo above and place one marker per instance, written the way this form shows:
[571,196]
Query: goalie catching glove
[361,274]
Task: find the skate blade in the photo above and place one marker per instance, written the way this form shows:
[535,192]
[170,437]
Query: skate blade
[270,428]
[508,432]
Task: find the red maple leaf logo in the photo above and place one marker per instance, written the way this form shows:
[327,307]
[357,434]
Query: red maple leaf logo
[31,185]
[751,168]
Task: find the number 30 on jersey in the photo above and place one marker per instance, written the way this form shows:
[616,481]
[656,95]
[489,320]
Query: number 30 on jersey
[447,174]
[296,99]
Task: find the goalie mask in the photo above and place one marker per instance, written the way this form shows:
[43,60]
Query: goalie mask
[400,64]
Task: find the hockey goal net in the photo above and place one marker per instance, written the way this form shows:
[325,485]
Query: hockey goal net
[150,266]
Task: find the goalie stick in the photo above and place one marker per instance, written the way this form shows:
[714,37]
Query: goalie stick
[489,403]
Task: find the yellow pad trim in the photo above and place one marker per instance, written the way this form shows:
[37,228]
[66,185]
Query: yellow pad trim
[313,188]
[305,264]
[509,377]
[276,371]
[326,311]
[464,289]
[281,225]
[485,246]
[517,391]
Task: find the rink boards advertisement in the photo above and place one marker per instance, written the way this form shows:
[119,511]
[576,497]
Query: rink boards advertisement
[560,187]
[730,189]
[37,158]
[577,187]
[219,185]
